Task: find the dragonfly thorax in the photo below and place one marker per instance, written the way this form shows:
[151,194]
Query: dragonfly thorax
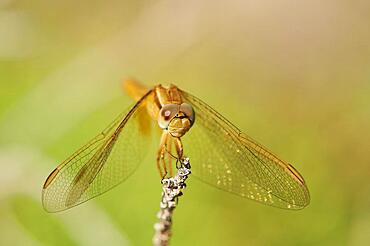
[176,119]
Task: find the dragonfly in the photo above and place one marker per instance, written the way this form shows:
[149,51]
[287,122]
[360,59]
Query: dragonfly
[222,155]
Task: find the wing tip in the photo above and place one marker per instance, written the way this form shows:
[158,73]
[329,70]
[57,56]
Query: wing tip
[295,174]
[50,178]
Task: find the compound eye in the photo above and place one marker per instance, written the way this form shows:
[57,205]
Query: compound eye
[166,114]
[188,110]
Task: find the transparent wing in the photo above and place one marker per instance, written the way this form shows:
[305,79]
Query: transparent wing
[228,159]
[104,162]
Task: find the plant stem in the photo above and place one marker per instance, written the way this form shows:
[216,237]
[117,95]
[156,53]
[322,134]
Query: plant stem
[172,189]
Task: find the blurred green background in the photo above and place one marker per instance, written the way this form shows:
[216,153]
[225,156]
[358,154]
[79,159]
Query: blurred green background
[295,75]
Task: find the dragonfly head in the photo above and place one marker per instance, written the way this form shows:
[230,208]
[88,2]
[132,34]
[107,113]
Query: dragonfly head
[176,119]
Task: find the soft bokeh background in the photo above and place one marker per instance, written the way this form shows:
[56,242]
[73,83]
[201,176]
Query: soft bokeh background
[295,75]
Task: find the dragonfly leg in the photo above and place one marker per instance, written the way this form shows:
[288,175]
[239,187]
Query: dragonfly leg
[169,154]
[164,162]
[179,148]
[161,155]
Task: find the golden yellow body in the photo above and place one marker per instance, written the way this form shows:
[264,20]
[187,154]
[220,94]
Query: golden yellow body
[174,116]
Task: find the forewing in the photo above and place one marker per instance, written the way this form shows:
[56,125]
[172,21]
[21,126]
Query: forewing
[107,160]
[228,159]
